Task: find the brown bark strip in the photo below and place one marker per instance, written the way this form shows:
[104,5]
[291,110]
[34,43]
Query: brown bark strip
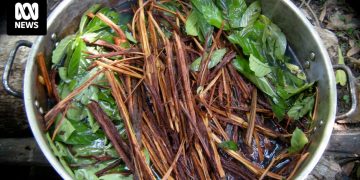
[59,106]
[203,71]
[113,26]
[216,122]
[210,85]
[104,44]
[228,57]
[216,157]
[239,81]
[185,77]
[302,159]
[109,167]
[119,70]
[260,150]
[53,74]
[168,172]
[40,57]
[277,158]
[169,65]
[236,120]
[171,22]
[250,128]
[112,133]
[153,38]
[139,157]
[258,110]
[235,169]
[58,124]
[197,165]
[202,139]
[245,162]
[136,14]
[164,9]
[143,31]
[117,53]
[202,159]
[154,157]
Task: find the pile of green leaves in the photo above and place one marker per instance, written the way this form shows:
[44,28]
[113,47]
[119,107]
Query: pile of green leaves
[79,130]
[263,45]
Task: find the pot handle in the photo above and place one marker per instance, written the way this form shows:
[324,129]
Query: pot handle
[352,85]
[8,66]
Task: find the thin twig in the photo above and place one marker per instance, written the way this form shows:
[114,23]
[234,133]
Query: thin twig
[250,128]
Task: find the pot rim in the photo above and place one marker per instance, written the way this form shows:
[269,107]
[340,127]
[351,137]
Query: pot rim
[28,98]
[330,121]
[49,154]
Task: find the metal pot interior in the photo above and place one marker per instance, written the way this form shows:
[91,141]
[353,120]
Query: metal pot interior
[300,35]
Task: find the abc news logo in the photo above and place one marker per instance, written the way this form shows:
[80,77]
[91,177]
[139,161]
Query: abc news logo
[25,17]
[20,14]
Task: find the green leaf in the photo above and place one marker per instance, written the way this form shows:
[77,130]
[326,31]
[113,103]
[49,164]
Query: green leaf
[82,135]
[92,121]
[251,14]
[191,24]
[147,156]
[259,68]
[233,10]
[96,24]
[104,35]
[298,141]
[249,39]
[76,112]
[70,158]
[290,91]
[60,50]
[64,90]
[273,39]
[279,106]
[170,5]
[97,148]
[84,19]
[261,82]
[130,37]
[301,107]
[66,128]
[76,57]
[195,65]
[204,29]
[293,91]
[61,159]
[90,93]
[63,74]
[216,57]
[210,12]
[228,145]
[340,74]
[88,173]
[116,177]
[91,36]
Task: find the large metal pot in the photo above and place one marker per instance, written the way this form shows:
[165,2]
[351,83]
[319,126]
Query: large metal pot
[301,36]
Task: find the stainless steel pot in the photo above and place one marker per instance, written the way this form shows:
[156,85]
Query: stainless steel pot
[299,32]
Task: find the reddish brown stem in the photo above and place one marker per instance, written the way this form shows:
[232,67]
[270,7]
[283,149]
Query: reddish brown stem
[40,57]
[111,132]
